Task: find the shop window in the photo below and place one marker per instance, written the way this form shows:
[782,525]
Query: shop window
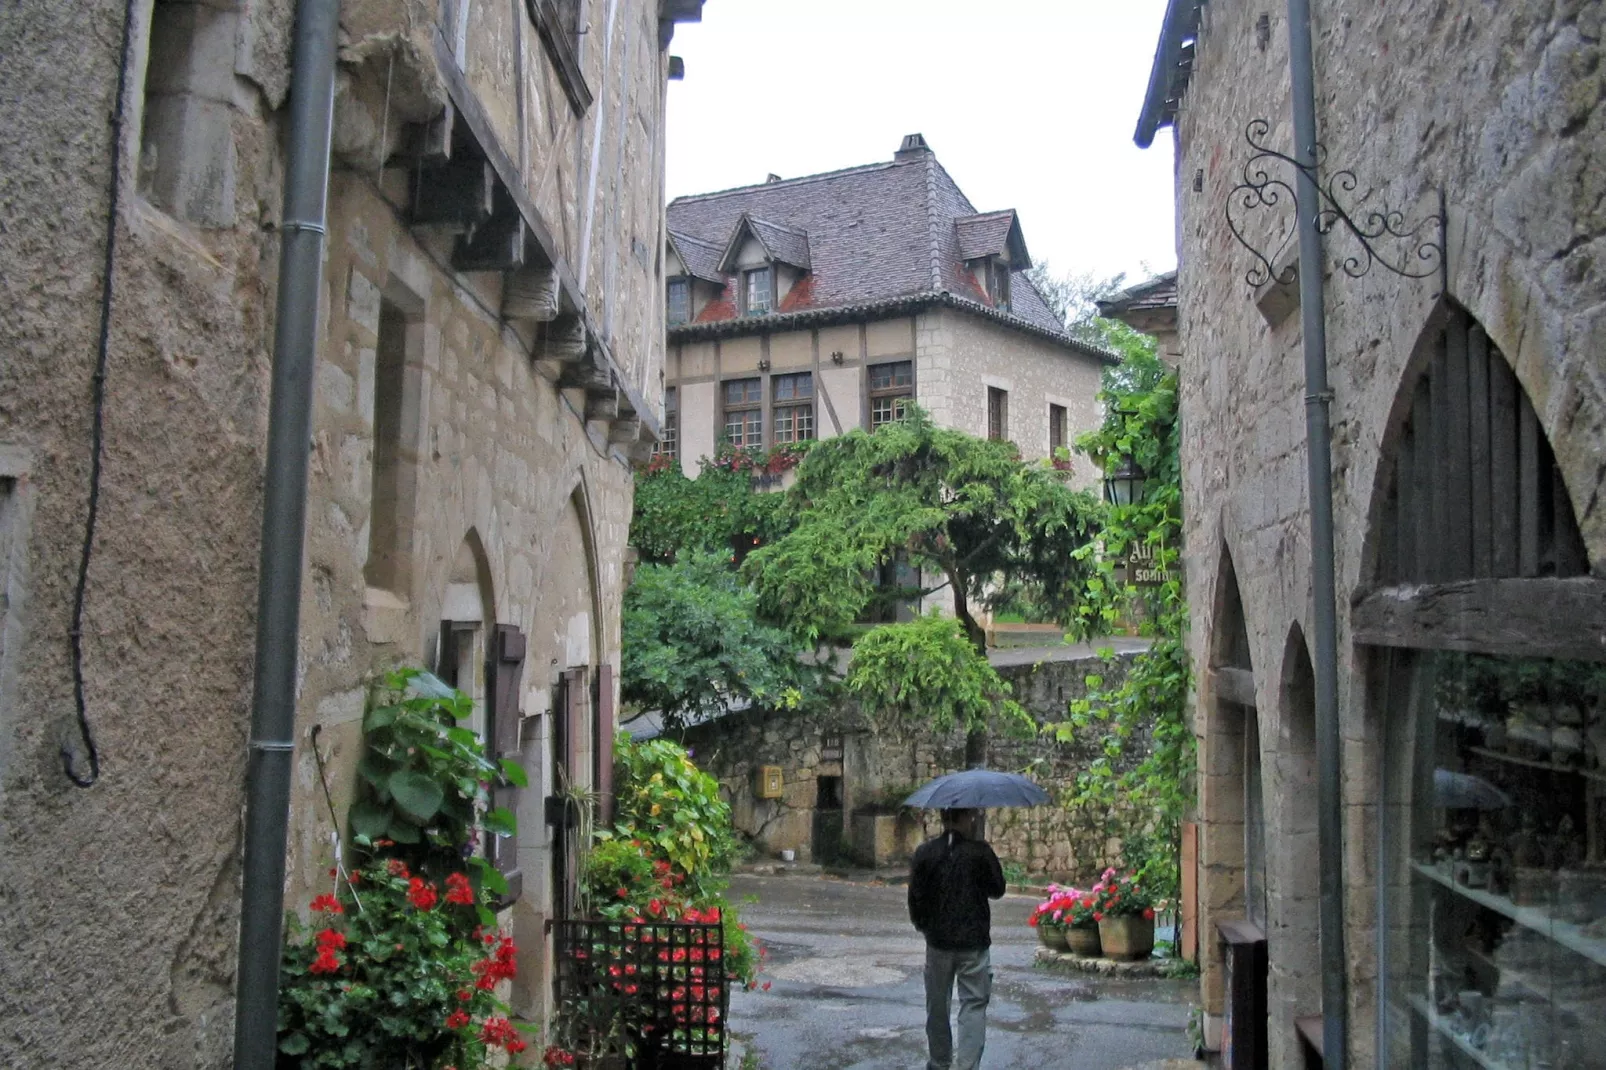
[792,414]
[997,413]
[892,386]
[187,160]
[744,412]
[394,478]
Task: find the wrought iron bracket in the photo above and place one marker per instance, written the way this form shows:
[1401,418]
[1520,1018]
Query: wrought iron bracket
[1423,257]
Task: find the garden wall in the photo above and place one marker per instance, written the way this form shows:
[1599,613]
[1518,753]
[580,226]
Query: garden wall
[841,783]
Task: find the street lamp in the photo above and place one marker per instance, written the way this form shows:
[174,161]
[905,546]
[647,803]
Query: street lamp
[1125,485]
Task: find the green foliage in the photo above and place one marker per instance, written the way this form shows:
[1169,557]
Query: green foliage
[1147,758]
[966,511]
[693,644]
[719,512]
[929,672]
[424,780]
[663,800]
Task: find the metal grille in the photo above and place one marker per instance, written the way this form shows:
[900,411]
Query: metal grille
[662,983]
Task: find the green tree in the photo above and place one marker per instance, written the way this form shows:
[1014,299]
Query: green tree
[694,646]
[967,512]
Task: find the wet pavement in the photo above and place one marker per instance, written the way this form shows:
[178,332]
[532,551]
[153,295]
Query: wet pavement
[846,992]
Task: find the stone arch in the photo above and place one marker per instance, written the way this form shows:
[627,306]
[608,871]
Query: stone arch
[1467,485]
[1295,870]
[1553,351]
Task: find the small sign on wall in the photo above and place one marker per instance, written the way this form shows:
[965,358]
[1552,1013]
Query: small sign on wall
[769,782]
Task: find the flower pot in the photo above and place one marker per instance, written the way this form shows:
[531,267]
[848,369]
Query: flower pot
[1127,936]
[1052,937]
[1083,941]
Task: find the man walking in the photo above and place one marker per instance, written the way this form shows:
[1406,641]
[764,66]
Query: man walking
[952,878]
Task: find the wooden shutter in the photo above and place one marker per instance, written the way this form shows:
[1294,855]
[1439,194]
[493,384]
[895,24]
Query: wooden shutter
[502,729]
[576,715]
[603,764]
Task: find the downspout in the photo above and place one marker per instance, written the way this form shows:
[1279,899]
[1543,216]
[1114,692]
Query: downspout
[1318,450]
[284,510]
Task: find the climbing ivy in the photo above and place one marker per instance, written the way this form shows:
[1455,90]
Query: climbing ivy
[1147,754]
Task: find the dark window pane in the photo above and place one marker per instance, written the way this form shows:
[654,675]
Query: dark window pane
[679,300]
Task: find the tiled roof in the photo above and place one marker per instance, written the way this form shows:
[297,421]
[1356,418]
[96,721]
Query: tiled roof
[785,244]
[1156,293]
[872,234]
[986,234]
[701,258]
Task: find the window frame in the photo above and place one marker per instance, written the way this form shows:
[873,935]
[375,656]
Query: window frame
[749,408]
[893,390]
[668,444]
[748,275]
[681,283]
[997,414]
[1059,428]
[798,407]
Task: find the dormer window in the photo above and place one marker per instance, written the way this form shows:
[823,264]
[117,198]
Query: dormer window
[998,276]
[679,301]
[758,291]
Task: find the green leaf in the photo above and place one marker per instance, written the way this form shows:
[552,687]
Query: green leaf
[515,774]
[501,822]
[403,831]
[417,793]
[369,819]
[380,718]
[295,1044]
[493,880]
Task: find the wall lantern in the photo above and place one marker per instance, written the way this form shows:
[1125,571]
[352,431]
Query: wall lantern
[1124,485]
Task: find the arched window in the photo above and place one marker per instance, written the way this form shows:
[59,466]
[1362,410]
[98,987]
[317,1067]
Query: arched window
[1490,675]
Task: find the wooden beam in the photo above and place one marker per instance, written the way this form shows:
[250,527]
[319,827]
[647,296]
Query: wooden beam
[602,405]
[1231,684]
[531,293]
[495,245]
[624,431]
[1532,618]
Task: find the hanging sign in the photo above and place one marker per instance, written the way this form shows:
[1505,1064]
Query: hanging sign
[1143,569]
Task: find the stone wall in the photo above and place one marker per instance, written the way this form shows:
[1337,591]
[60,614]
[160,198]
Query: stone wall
[1498,106]
[878,771]
[124,897]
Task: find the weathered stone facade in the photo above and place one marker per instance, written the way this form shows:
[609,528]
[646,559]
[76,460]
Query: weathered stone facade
[872,773]
[1499,107]
[510,398]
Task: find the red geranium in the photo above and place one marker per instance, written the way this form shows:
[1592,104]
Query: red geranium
[421,893]
[327,902]
[459,890]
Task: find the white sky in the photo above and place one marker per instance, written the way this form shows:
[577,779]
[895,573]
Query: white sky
[1029,104]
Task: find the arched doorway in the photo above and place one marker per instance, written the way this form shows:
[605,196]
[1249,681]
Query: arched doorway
[1488,672]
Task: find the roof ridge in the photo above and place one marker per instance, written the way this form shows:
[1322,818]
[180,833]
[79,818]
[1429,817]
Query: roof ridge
[933,227]
[683,235]
[800,231]
[799,180]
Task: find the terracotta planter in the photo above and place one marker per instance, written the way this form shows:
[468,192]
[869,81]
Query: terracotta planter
[1051,937]
[1129,936]
[1083,941]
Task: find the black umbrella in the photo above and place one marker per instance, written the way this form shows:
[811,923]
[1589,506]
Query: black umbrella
[977,789]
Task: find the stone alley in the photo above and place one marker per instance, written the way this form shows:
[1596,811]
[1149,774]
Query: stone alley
[846,994]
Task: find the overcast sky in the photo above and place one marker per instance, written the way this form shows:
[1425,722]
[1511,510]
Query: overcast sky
[1029,104]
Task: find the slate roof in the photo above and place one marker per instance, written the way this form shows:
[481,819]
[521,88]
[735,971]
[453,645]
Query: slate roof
[1159,292]
[785,244]
[986,234]
[877,236]
[701,258]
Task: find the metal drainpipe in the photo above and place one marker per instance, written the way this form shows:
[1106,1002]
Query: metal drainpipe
[1318,448]
[284,510]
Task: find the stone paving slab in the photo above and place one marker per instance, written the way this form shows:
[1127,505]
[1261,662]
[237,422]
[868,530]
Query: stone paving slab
[1065,960]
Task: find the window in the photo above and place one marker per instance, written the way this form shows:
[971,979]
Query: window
[744,413]
[187,157]
[998,277]
[1056,428]
[793,413]
[395,457]
[891,387]
[669,444]
[757,291]
[997,413]
[679,300]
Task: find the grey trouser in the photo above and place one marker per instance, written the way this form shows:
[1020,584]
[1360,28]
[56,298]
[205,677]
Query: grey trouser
[973,970]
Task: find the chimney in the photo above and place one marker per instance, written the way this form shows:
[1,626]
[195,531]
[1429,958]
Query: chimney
[914,146]
[771,178]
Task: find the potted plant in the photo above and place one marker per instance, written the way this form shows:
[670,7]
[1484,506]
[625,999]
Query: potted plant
[1125,915]
[1064,921]
[1046,920]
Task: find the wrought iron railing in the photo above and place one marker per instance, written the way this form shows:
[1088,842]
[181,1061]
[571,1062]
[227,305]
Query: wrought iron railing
[658,989]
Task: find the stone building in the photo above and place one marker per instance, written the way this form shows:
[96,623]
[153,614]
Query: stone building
[1469,423]
[802,308]
[489,364]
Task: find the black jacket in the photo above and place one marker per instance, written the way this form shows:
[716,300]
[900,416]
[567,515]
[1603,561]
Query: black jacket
[949,885]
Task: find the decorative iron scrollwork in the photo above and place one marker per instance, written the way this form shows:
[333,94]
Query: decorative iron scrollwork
[1261,188]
